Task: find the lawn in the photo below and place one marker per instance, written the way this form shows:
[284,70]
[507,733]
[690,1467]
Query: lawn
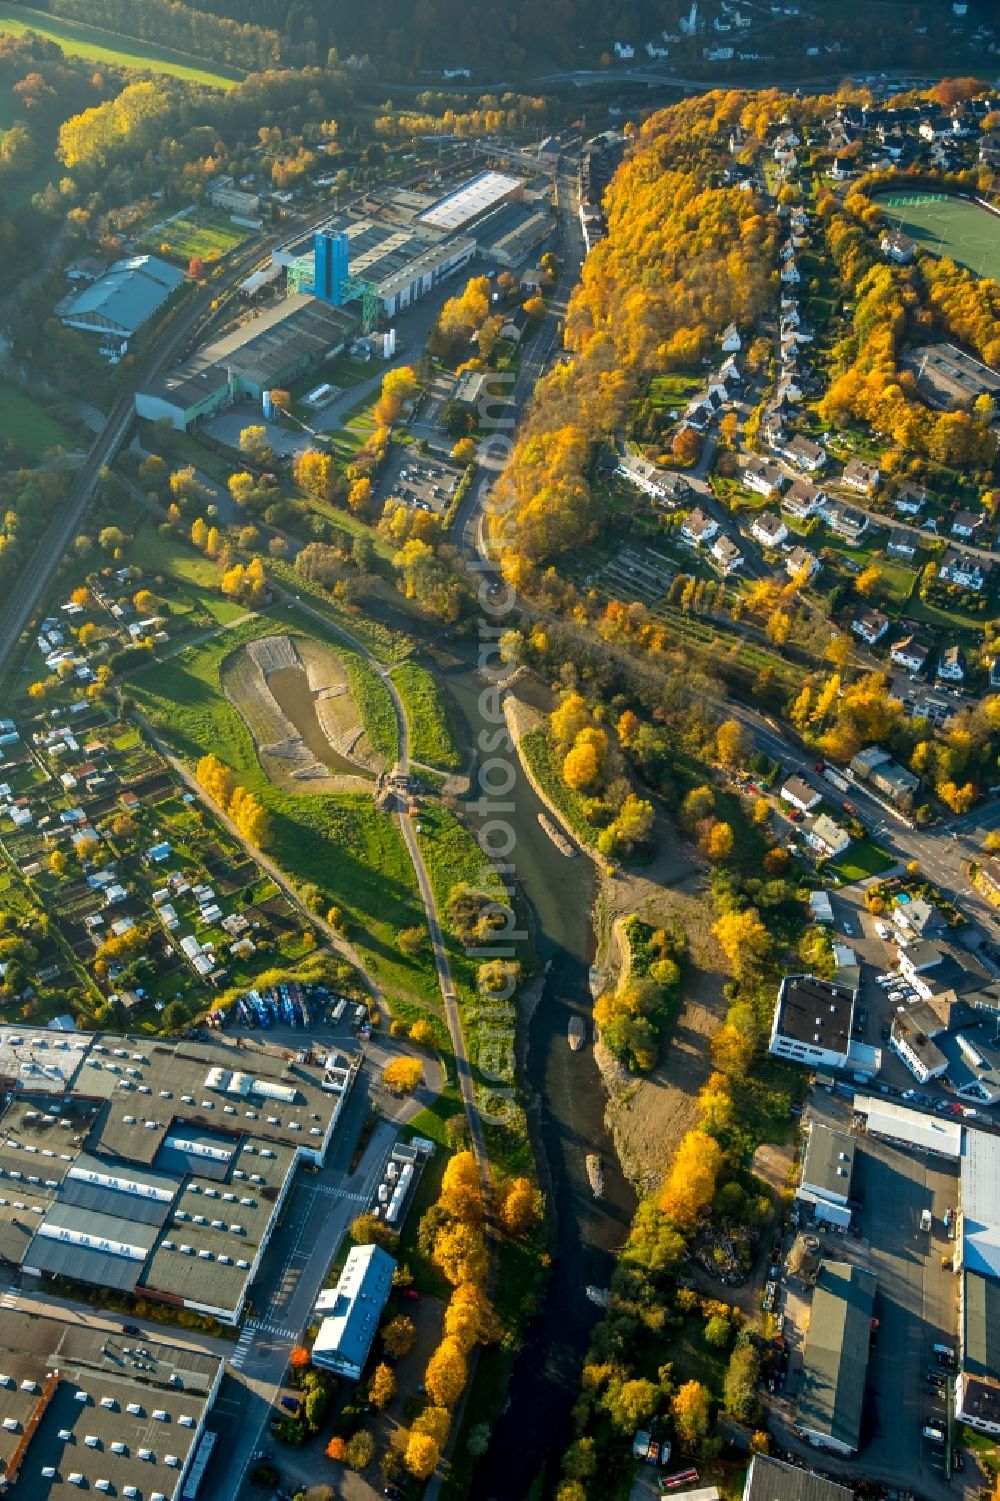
[99,46]
[197,576]
[27,424]
[947,226]
[431,739]
[208,235]
[862,859]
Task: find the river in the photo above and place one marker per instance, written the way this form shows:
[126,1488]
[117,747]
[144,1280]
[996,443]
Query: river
[535,1425]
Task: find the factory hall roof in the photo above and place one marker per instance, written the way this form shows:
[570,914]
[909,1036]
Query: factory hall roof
[128,295]
[84,1410]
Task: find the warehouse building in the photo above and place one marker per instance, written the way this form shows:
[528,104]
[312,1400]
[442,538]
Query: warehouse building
[977,1386]
[472,199]
[351,1311]
[122,300]
[81,1410]
[773,1480]
[835,1359]
[162,1168]
[291,339]
[826,1174]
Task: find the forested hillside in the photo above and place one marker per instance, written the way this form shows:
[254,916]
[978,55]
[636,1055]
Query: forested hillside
[681,260]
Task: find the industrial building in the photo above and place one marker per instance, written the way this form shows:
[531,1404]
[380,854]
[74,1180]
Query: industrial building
[395,264]
[351,1311]
[157,1169]
[472,199]
[835,1359]
[290,339]
[826,1174]
[122,300]
[85,1410]
[813,1021]
[773,1480]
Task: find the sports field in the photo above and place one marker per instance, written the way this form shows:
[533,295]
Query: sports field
[949,226]
[100,46]
[198,233]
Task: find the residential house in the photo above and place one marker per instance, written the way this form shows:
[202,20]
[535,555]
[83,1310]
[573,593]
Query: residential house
[799,558]
[769,530]
[902,544]
[727,555]
[962,569]
[965,523]
[790,274]
[514,325]
[798,792]
[910,654]
[989,148]
[763,478]
[803,499]
[896,246]
[871,625]
[804,453]
[731,341]
[918,917]
[660,486]
[911,1038]
[949,668]
[910,500]
[846,522]
[861,476]
[697,528]
[828,837]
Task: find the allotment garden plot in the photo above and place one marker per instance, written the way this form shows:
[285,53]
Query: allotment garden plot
[948,226]
[294,696]
[144,893]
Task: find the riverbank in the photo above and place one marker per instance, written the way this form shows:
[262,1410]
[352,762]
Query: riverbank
[646,1115]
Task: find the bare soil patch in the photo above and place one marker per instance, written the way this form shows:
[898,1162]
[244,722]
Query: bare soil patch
[294,696]
[648,1115]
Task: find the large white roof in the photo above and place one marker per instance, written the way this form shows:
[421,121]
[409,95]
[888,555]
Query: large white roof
[911,1127]
[981,1203]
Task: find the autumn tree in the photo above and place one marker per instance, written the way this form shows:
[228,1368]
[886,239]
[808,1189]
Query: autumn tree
[255,443]
[691,1409]
[382,1387]
[336,1449]
[521,1208]
[422,1456]
[446,1373]
[299,1359]
[215,778]
[461,1195]
[399,1335]
[403,1075]
[744,939]
[730,743]
[690,1184]
[460,1253]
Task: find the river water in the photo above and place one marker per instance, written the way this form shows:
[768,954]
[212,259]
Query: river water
[569,1121]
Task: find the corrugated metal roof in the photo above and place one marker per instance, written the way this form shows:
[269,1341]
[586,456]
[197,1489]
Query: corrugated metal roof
[835,1361]
[128,295]
[911,1127]
[356,1305]
[981,1203]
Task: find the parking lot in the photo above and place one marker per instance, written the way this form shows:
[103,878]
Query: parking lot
[426,480]
[915,1306]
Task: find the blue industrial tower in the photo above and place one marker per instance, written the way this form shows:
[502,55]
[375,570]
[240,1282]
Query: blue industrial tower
[330,270]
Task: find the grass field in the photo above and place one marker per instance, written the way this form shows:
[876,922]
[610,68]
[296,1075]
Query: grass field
[948,226]
[342,844]
[99,46]
[209,235]
[431,740]
[27,424]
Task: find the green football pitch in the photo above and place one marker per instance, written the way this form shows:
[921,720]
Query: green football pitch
[952,227]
